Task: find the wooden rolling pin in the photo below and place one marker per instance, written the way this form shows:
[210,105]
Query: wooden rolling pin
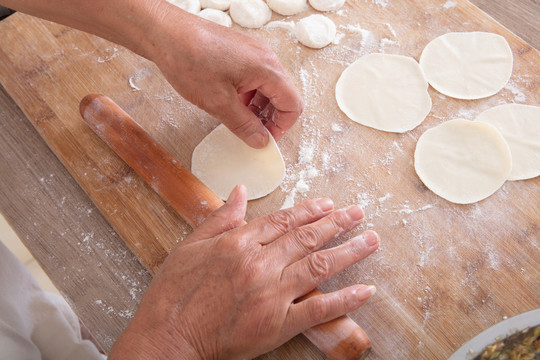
[339,339]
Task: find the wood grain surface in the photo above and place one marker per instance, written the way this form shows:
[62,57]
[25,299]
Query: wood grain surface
[444,272]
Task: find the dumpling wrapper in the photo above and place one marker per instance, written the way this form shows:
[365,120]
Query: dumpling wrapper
[462,161]
[222,161]
[468,65]
[520,126]
[385,92]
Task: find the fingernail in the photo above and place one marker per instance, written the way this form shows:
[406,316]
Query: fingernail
[258,140]
[371,238]
[365,292]
[355,212]
[325,204]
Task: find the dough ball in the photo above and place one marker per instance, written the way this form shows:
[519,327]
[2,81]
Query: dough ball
[468,65]
[217,16]
[462,161]
[250,13]
[520,126]
[315,31]
[222,161]
[216,4]
[385,92]
[191,6]
[326,5]
[287,7]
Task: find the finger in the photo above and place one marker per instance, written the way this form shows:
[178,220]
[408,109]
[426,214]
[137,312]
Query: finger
[241,121]
[304,275]
[287,103]
[323,308]
[282,222]
[258,104]
[228,217]
[247,97]
[304,240]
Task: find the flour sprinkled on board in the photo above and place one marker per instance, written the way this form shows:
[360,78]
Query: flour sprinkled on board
[519,96]
[383,3]
[450,4]
[110,54]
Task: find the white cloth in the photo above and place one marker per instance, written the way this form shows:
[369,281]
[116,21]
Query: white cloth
[35,324]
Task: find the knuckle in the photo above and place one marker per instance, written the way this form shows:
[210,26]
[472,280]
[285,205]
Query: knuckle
[308,238]
[340,220]
[318,309]
[282,221]
[319,266]
[311,208]
[242,126]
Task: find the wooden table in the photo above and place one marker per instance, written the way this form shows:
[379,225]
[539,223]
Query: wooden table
[103,283]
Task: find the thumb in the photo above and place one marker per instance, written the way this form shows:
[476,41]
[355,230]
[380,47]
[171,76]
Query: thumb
[228,217]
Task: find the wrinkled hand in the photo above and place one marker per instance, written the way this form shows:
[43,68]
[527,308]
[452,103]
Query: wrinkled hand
[228,291]
[229,74]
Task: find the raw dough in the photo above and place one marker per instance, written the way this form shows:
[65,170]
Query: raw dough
[315,31]
[468,65]
[216,4]
[191,6]
[385,92]
[326,5]
[222,161]
[217,16]
[250,13]
[463,161]
[520,126]
[287,7]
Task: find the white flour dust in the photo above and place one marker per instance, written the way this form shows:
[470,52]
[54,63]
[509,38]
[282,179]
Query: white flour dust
[450,4]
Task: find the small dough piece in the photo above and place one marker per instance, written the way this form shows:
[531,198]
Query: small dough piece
[462,161]
[385,92]
[315,31]
[191,6]
[326,5]
[468,65]
[287,7]
[250,13]
[520,126]
[217,16]
[222,161]
[216,4]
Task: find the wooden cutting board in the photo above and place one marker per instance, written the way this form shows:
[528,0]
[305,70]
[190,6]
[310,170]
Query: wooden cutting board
[444,272]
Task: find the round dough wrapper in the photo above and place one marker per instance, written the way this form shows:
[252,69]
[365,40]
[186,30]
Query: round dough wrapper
[217,16]
[191,6]
[287,7]
[462,161]
[385,92]
[315,31]
[326,5]
[216,4]
[222,161]
[250,13]
[520,126]
[468,65]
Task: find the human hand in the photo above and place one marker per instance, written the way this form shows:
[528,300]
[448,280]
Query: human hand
[231,75]
[229,290]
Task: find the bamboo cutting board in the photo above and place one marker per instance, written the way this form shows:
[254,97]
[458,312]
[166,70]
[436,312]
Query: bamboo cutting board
[444,272]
